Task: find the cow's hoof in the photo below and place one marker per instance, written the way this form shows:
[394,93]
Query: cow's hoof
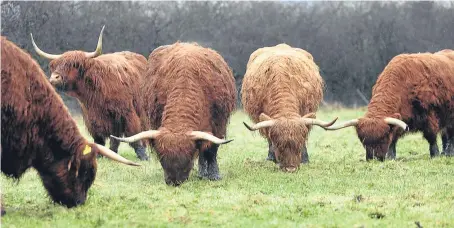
[214,177]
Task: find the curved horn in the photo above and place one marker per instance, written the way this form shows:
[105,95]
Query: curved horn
[42,53]
[151,134]
[349,123]
[397,122]
[323,124]
[114,156]
[263,124]
[205,136]
[98,50]
[310,115]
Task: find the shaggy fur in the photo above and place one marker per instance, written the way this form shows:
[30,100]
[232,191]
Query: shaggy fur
[282,83]
[37,131]
[107,88]
[189,88]
[418,89]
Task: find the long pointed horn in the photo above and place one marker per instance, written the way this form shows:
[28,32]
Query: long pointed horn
[263,124]
[42,53]
[114,156]
[323,124]
[310,115]
[151,134]
[197,135]
[349,123]
[98,50]
[397,122]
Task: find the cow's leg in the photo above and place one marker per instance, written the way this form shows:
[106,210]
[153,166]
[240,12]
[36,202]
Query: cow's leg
[210,157]
[133,126]
[116,130]
[449,151]
[431,137]
[101,141]
[304,155]
[203,166]
[392,150]
[271,155]
[114,144]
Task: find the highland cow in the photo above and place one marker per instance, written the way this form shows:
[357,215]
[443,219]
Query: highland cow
[37,131]
[189,97]
[415,92]
[281,91]
[107,88]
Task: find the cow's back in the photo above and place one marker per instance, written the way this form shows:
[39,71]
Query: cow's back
[281,81]
[129,66]
[190,66]
[416,85]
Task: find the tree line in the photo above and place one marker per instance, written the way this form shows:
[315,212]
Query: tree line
[351,41]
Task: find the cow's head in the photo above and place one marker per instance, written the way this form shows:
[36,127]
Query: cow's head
[376,134]
[68,180]
[67,69]
[288,137]
[176,151]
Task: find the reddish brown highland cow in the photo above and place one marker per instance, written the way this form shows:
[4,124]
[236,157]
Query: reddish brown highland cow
[414,92]
[281,91]
[37,131]
[107,88]
[189,96]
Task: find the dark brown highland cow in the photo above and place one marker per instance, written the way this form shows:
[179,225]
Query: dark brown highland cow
[415,90]
[107,88]
[281,91]
[189,95]
[37,131]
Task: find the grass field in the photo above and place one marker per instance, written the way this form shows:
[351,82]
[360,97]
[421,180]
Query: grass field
[337,189]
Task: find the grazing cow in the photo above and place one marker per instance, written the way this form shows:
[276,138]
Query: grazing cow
[281,91]
[414,92]
[107,88]
[37,131]
[189,97]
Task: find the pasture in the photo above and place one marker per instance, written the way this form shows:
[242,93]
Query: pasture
[338,188]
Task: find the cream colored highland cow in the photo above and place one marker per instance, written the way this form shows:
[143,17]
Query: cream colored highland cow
[281,92]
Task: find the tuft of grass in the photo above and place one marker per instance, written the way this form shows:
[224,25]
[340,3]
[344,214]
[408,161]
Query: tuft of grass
[338,188]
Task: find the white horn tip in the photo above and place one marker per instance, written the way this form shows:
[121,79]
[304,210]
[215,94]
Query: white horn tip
[248,127]
[333,121]
[226,141]
[134,164]
[33,40]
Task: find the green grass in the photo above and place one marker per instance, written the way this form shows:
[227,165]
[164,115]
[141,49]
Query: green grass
[337,189]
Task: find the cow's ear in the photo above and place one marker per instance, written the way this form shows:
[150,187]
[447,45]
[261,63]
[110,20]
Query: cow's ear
[397,116]
[264,117]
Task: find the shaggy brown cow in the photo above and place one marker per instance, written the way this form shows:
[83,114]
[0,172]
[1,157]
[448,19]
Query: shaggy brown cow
[282,89]
[107,88]
[37,131]
[189,97]
[413,89]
